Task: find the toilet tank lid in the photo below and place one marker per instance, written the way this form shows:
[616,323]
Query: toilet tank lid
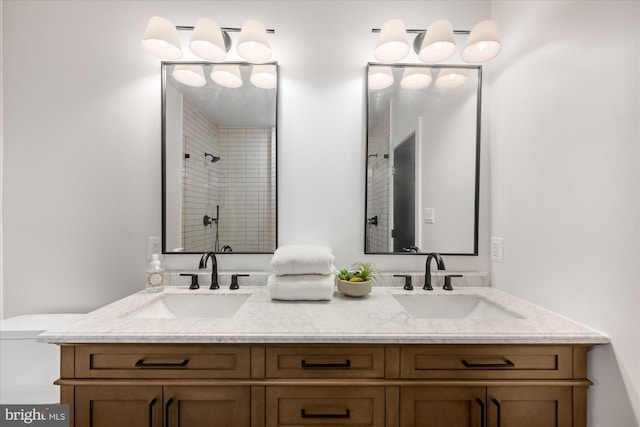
[29,325]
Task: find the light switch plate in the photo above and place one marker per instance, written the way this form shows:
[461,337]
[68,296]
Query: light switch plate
[429,215]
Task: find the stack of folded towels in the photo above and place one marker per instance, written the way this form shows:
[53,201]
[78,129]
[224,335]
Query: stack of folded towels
[302,272]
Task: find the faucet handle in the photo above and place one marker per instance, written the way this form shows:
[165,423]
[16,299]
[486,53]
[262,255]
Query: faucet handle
[447,281]
[194,280]
[234,281]
[407,281]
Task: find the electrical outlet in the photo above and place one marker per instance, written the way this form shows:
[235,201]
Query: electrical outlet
[153,246]
[497,249]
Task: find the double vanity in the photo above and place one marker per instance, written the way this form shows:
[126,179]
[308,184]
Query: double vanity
[474,356]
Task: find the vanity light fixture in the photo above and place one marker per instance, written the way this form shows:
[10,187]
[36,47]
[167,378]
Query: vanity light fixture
[253,44]
[209,41]
[483,43]
[436,43]
[264,76]
[416,78]
[227,75]
[393,44]
[380,77]
[161,38]
[190,75]
[450,78]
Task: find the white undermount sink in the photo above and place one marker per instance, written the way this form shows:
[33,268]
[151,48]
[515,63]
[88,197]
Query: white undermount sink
[196,305]
[425,306]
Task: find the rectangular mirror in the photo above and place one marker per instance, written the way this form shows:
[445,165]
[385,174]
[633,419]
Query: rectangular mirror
[423,159]
[219,144]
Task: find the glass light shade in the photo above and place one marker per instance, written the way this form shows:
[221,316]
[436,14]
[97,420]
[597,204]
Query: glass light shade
[483,43]
[264,76]
[227,75]
[438,43]
[161,38]
[416,78]
[253,44]
[207,41]
[380,77]
[450,78]
[190,75]
[393,44]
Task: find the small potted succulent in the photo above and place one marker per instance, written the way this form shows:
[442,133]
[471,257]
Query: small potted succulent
[357,281]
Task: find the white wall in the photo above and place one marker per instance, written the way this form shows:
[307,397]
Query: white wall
[82,138]
[565,177]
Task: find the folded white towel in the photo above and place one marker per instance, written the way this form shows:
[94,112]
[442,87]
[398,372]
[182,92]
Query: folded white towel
[308,287]
[303,259]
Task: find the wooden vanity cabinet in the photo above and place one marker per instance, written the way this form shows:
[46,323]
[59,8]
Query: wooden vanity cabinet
[270,385]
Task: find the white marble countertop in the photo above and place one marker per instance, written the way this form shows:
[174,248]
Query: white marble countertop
[377,318]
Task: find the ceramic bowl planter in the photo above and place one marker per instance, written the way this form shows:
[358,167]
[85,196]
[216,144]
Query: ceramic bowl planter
[354,289]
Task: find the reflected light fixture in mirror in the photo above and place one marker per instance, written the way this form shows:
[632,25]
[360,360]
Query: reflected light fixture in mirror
[253,45]
[264,76]
[450,78]
[438,43]
[227,75]
[483,43]
[393,44]
[380,77]
[161,38]
[190,75]
[416,78]
[207,40]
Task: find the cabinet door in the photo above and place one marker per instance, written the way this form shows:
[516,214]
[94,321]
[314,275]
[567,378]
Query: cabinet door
[118,406]
[529,406]
[442,406]
[197,406]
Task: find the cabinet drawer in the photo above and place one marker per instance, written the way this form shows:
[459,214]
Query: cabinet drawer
[325,362]
[327,406]
[162,361]
[496,361]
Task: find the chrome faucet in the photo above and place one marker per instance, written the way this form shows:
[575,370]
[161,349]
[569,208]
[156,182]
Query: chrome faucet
[427,275]
[214,268]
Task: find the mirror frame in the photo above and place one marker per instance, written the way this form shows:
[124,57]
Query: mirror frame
[163,74]
[477,156]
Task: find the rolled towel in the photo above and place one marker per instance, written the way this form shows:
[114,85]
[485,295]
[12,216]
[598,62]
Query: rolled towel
[308,287]
[303,259]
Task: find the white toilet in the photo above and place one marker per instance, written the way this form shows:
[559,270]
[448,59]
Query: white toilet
[29,368]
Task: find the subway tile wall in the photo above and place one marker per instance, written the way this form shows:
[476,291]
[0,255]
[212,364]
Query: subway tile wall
[242,183]
[247,216]
[378,170]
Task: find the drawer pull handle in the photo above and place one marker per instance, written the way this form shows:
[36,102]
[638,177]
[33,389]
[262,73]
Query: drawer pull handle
[142,364]
[507,364]
[345,365]
[481,403]
[303,414]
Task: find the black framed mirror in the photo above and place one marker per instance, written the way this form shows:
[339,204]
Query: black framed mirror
[219,165]
[422,159]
